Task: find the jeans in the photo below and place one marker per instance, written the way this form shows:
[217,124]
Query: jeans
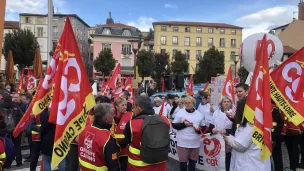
[47,164]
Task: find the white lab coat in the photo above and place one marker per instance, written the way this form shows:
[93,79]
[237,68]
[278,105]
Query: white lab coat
[221,121]
[249,160]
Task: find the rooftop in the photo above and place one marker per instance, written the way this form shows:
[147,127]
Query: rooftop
[280,27]
[203,24]
[288,49]
[117,25]
[11,25]
[57,15]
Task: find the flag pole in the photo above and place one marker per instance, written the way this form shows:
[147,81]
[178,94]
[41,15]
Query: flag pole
[50,31]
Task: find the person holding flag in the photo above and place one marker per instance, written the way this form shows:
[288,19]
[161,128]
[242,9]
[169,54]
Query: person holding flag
[251,153]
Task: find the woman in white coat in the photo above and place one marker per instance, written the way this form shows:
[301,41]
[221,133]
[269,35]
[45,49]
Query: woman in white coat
[245,154]
[206,109]
[223,124]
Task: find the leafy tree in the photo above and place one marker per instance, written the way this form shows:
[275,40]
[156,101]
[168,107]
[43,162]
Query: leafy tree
[219,59]
[180,64]
[243,74]
[160,64]
[23,44]
[150,35]
[105,62]
[145,62]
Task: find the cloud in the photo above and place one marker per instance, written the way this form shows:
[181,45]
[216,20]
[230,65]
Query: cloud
[170,6]
[14,7]
[265,20]
[142,23]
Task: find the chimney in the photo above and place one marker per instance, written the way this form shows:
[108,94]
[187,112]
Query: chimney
[301,10]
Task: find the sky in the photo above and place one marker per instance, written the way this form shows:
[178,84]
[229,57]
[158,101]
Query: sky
[254,16]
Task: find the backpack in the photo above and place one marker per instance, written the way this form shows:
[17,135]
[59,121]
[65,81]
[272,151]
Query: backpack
[155,139]
[9,120]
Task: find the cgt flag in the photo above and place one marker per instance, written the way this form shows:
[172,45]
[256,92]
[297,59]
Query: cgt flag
[258,104]
[228,89]
[21,86]
[287,87]
[207,88]
[31,80]
[190,86]
[72,95]
[28,115]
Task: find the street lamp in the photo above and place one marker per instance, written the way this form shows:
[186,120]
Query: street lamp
[235,60]
[135,50]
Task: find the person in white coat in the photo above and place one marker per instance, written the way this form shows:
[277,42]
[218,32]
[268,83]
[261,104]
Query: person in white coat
[180,106]
[245,154]
[223,124]
[206,109]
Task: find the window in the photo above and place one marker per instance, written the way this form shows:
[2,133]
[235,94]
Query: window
[163,51]
[187,53]
[222,52]
[233,31]
[27,28]
[222,31]
[198,30]
[198,41]
[163,28]
[40,31]
[27,19]
[173,53]
[232,55]
[55,31]
[175,40]
[106,46]
[187,41]
[198,54]
[187,29]
[233,43]
[163,40]
[126,49]
[40,20]
[210,30]
[126,33]
[55,20]
[210,42]
[125,61]
[222,42]
[175,29]
[106,31]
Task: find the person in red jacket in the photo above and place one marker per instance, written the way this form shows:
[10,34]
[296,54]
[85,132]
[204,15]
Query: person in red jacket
[133,135]
[121,118]
[97,149]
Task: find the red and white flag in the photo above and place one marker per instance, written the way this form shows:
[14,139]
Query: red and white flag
[228,89]
[31,80]
[258,104]
[72,95]
[115,81]
[128,87]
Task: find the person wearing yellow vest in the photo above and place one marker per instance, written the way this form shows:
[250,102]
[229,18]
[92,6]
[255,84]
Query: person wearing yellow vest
[36,141]
[97,149]
[121,118]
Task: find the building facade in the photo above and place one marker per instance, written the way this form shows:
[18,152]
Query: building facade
[38,24]
[194,38]
[116,37]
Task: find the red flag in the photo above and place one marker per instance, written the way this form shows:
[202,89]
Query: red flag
[228,89]
[31,80]
[207,88]
[287,87]
[72,95]
[163,84]
[128,88]
[190,86]
[258,103]
[102,87]
[21,86]
[115,81]
[28,115]
[161,111]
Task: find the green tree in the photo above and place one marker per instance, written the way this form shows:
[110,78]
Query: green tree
[180,64]
[105,62]
[145,63]
[211,65]
[160,64]
[243,74]
[23,44]
[150,35]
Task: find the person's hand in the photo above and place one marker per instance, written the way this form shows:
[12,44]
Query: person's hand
[214,131]
[211,108]
[187,123]
[223,132]
[229,114]
[197,128]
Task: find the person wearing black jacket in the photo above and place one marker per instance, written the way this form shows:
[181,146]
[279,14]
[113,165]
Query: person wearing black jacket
[10,107]
[20,104]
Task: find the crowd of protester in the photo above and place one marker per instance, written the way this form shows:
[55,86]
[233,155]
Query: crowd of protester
[113,137]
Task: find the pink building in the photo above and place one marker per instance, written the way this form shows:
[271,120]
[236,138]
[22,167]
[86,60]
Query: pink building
[116,36]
